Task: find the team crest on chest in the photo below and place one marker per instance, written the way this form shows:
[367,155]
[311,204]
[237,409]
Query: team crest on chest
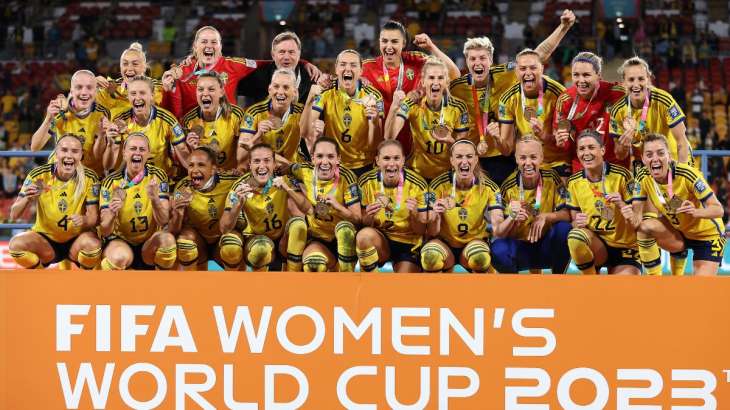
[224,77]
[62,205]
[463,214]
[410,74]
[137,207]
[347,119]
[269,206]
[212,209]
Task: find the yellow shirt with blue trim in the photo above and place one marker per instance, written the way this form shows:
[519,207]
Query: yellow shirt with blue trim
[118,100]
[588,197]
[345,121]
[512,111]
[163,132]
[501,78]
[221,133]
[553,196]
[688,184]
[57,201]
[468,220]
[86,128]
[346,193]
[431,157]
[663,114]
[394,222]
[266,212]
[135,221]
[205,209]
[285,140]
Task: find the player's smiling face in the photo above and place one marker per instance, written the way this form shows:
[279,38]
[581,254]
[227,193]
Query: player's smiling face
[136,152]
[209,93]
[656,158]
[286,54]
[200,168]
[68,156]
[529,71]
[478,62]
[348,71]
[208,47]
[262,165]
[326,160]
[281,90]
[590,153]
[435,82]
[391,45]
[390,161]
[131,64]
[464,160]
[83,91]
[585,78]
[140,96]
[636,82]
[529,156]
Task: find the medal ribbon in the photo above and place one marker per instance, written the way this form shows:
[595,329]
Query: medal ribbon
[574,106]
[482,110]
[670,188]
[538,193]
[603,192]
[539,98]
[136,180]
[284,118]
[644,109]
[386,77]
[399,192]
[466,201]
[331,191]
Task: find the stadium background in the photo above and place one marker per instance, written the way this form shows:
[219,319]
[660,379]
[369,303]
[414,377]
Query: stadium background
[687,44]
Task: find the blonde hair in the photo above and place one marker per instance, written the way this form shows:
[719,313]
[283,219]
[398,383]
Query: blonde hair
[145,80]
[528,52]
[479,43]
[137,48]
[80,72]
[80,176]
[433,62]
[286,35]
[349,51]
[197,34]
[632,62]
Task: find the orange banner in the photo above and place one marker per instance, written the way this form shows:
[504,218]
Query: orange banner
[236,340]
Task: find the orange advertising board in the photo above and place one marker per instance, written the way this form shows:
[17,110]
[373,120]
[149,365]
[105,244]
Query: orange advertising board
[236,340]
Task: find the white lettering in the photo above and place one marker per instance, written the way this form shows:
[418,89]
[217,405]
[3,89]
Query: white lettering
[423,397]
[399,330]
[159,396]
[445,392]
[345,378]
[184,389]
[449,321]
[173,316]
[129,327]
[342,320]
[85,376]
[64,327]
[270,372]
[523,331]
[319,330]
[512,394]
[256,338]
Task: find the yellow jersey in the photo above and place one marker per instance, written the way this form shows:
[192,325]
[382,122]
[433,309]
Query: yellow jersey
[285,140]
[688,184]
[553,196]
[514,103]
[58,201]
[663,114]
[206,208]
[345,121]
[117,99]
[221,133]
[345,192]
[135,221]
[265,213]
[588,197]
[393,221]
[86,128]
[163,131]
[501,78]
[467,220]
[430,157]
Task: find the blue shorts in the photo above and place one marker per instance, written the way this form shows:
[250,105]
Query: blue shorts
[61,251]
[403,252]
[511,255]
[711,250]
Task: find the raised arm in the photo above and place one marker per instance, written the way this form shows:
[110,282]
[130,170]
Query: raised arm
[548,46]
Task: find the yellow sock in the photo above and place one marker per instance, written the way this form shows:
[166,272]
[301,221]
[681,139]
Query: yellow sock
[26,259]
[477,257]
[259,252]
[65,265]
[230,248]
[297,230]
[368,258]
[649,254]
[165,257]
[315,262]
[433,257]
[579,244]
[346,255]
[678,262]
[107,265]
[187,253]
[88,259]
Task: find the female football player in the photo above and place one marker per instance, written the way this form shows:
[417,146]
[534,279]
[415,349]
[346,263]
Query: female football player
[134,206]
[197,206]
[680,211]
[66,195]
[435,123]
[466,201]
[599,200]
[332,209]
[266,203]
[535,229]
[394,212]
[215,122]
[79,114]
[112,94]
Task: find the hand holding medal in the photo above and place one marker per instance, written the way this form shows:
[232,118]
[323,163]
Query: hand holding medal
[563,133]
[441,132]
[322,207]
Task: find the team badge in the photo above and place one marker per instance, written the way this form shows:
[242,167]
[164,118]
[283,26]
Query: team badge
[354,191]
[404,108]
[106,195]
[62,206]
[502,110]
[177,130]
[498,197]
[137,207]
[465,118]
[430,197]
[463,214]
[249,121]
[233,198]
[81,138]
[347,119]
[700,186]
[95,189]
[410,74]
[279,142]
[224,77]
[164,187]
[269,208]
[674,112]
[212,210]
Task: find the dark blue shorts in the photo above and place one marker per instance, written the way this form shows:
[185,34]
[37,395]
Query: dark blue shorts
[403,252]
[61,250]
[711,250]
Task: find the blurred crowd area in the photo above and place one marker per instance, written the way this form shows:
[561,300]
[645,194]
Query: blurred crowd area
[686,42]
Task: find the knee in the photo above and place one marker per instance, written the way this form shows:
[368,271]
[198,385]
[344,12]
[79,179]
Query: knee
[315,262]
[230,249]
[366,237]
[650,227]
[187,251]
[89,241]
[345,231]
[433,257]
[166,240]
[119,259]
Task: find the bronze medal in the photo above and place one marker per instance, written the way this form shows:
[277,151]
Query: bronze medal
[449,203]
[176,71]
[198,130]
[564,125]
[276,122]
[41,185]
[530,113]
[674,203]
[440,131]
[321,210]
[120,193]
[482,147]
[383,200]
[62,102]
